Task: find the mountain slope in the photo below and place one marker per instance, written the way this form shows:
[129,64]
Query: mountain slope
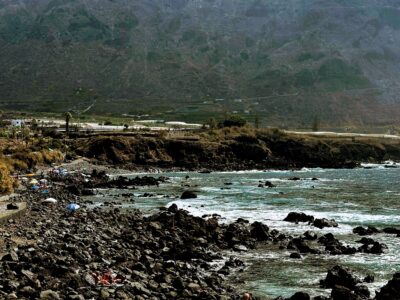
[287,61]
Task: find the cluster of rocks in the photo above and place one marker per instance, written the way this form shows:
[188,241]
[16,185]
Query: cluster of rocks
[113,254]
[296,217]
[168,255]
[345,285]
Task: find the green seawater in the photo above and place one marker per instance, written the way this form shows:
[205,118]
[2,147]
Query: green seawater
[364,196]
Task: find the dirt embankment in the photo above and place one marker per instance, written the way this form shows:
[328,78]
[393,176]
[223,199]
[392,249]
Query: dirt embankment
[236,149]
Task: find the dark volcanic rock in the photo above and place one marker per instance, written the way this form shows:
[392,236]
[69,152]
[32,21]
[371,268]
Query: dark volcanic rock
[310,235]
[295,255]
[340,276]
[300,296]
[391,230]
[188,195]
[322,223]
[259,231]
[269,184]
[391,291]
[371,246]
[296,217]
[365,231]
[12,206]
[343,293]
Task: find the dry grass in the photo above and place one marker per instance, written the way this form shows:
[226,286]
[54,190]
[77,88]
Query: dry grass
[6,181]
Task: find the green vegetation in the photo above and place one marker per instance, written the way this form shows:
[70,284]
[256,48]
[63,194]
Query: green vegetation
[336,75]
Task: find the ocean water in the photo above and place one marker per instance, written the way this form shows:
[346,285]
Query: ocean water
[364,196]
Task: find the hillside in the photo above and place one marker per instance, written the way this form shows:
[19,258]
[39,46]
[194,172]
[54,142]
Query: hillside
[285,61]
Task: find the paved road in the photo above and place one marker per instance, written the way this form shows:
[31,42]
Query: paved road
[345,135]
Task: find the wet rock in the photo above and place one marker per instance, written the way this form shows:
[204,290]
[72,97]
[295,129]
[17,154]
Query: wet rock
[188,195]
[294,178]
[300,296]
[173,208]
[295,255]
[390,230]
[340,276]
[310,235]
[343,293]
[390,291]
[362,290]
[269,184]
[334,246]
[302,246]
[240,248]
[371,246]
[369,279]
[322,223]
[260,231]
[362,231]
[12,206]
[296,217]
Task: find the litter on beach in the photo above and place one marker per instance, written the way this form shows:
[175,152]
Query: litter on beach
[73,207]
[108,278]
[33,182]
[50,200]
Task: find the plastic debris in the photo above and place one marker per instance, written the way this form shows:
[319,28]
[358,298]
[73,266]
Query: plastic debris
[33,182]
[108,278]
[50,201]
[72,207]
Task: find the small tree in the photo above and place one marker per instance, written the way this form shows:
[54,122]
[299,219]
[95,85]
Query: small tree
[68,117]
[212,123]
[234,121]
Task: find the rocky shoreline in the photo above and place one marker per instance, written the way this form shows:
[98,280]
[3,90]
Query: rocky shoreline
[233,149]
[110,253]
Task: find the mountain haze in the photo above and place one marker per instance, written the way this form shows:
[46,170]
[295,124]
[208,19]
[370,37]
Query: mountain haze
[286,61]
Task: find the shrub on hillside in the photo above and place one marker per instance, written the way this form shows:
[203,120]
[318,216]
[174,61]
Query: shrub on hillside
[6,181]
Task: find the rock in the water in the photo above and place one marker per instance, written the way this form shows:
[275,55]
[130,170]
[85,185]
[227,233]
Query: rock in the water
[343,293]
[321,223]
[295,255]
[340,276]
[188,195]
[391,291]
[269,184]
[365,231]
[259,231]
[296,217]
[300,296]
[310,235]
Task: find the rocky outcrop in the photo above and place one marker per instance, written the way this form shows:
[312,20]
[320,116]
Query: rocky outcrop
[391,291]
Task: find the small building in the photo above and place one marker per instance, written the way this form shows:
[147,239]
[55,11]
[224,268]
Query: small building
[17,122]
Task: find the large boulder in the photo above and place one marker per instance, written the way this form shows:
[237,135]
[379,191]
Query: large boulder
[391,291]
[321,223]
[344,293]
[365,231]
[188,195]
[259,231]
[296,217]
[340,276]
